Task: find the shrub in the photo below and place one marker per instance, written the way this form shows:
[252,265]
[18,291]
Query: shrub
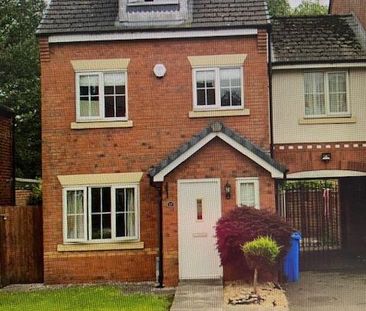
[260,254]
[36,195]
[244,224]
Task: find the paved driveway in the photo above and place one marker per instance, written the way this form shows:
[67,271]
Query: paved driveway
[323,291]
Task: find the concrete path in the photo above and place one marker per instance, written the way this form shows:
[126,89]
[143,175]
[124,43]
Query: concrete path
[205,295]
[328,291]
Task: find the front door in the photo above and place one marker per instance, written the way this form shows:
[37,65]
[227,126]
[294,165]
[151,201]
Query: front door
[199,208]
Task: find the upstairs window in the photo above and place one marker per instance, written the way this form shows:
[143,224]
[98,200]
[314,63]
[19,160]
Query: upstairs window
[101,96]
[218,88]
[326,94]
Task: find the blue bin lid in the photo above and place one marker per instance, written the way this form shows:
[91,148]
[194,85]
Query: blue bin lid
[296,236]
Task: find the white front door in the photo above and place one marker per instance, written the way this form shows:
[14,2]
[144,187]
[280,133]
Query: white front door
[199,208]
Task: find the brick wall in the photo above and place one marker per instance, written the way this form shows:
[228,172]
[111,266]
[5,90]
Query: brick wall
[307,157]
[6,160]
[350,6]
[159,110]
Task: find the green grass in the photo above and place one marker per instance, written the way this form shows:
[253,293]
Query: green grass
[93,298]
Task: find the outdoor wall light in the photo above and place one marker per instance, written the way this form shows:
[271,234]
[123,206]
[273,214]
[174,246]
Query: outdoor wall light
[227,190]
[326,157]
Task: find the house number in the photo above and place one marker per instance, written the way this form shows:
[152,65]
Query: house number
[171,204]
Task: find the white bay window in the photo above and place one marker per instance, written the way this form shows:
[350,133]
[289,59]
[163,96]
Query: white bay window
[101,213]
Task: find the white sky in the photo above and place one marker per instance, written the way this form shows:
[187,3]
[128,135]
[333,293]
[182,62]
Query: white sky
[295,3]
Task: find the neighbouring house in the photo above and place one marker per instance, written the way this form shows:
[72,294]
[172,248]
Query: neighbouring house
[319,117]
[357,7]
[7,165]
[155,122]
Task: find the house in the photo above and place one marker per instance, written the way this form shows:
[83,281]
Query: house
[319,117]
[7,167]
[155,122]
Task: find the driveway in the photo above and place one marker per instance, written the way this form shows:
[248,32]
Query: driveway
[323,291]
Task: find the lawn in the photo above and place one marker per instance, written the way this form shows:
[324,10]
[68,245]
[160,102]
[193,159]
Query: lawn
[92,298]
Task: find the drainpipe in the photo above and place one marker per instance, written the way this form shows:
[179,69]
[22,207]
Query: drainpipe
[159,188]
[269,32]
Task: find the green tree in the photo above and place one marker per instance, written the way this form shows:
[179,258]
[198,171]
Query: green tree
[308,7]
[20,79]
[279,8]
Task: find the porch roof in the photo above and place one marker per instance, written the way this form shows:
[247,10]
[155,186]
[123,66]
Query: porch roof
[217,129]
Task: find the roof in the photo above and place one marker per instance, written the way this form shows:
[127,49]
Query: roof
[217,129]
[96,16]
[327,38]
[6,112]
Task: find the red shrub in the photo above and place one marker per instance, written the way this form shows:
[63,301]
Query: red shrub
[244,224]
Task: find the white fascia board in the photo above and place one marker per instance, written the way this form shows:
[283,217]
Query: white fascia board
[275,173]
[325,174]
[151,35]
[160,176]
[315,66]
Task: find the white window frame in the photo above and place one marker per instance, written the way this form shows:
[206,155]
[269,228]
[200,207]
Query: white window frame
[329,114]
[100,75]
[87,215]
[217,106]
[248,180]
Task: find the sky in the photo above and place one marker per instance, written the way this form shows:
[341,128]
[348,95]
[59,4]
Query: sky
[295,3]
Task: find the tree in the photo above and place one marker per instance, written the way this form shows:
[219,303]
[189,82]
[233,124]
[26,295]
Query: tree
[278,8]
[308,7]
[20,79]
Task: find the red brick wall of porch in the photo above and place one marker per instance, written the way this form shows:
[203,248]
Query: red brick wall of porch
[307,156]
[215,160]
[6,161]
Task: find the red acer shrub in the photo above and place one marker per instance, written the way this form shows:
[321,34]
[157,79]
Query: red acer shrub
[244,224]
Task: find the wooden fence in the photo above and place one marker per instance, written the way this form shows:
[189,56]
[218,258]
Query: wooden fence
[21,248]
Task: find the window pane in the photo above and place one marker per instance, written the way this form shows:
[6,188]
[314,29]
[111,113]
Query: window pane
[211,100]
[247,194]
[95,200]
[230,77]
[80,226]
[106,225]
[106,200]
[120,200]
[96,227]
[109,106]
[108,90]
[314,93]
[225,97]
[94,106]
[201,98]
[120,225]
[319,104]
[71,227]
[70,202]
[120,89]
[210,78]
[79,208]
[84,107]
[130,200]
[84,90]
[120,106]
[130,232]
[200,79]
[236,96]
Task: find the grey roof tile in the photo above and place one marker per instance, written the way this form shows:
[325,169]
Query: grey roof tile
[216,127]
[80,16]
[317,39]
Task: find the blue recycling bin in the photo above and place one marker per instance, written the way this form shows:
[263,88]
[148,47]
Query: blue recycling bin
[291,263]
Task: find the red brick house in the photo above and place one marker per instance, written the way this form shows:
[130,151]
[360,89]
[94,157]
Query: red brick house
[155,122]
[319,117]
[7,169]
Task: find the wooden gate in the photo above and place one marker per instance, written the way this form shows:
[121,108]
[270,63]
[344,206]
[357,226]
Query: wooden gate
[21,248]
[314,210]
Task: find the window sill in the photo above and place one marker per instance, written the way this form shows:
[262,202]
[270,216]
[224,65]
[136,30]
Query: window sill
[85,247]
[100,125]
[328,120]
[219,113]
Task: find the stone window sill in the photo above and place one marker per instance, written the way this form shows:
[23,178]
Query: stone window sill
[100,125]
[329,120]
[85,247]
[219,113]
